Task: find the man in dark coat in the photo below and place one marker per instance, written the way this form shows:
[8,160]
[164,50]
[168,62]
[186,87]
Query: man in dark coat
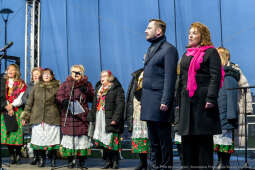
[158,92]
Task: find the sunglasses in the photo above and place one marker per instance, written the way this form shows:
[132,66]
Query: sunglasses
[76,73]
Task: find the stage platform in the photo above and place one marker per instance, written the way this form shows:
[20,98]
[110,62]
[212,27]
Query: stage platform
[125,164]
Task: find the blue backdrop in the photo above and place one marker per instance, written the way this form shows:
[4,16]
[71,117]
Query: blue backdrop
[15,29]
[109,34]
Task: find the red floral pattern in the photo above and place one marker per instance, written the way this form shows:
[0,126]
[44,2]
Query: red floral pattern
[140,145]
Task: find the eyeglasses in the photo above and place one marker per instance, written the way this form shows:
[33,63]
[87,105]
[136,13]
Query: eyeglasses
[76,72]
[46,74]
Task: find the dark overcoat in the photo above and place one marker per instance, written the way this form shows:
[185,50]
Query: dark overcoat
[159,82]
[228,100]
[131,93]
[114,107]
[194,118]
[79,121]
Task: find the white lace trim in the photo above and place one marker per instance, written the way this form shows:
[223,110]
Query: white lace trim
[44,134]
[81,142]
[100,133]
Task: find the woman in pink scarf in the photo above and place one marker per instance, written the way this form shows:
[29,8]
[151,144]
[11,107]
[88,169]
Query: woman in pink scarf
[201,77]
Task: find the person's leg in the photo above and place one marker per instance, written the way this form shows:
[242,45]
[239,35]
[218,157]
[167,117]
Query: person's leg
[226,160]
[12,153]
[42,158]
[115,159]
[36,157]
[165,138]
[190,152]
[143,162]
[52,155]
[18,153]
[108,159]
[179,148]
[82,160]
[70,161]
[155,155]
[206,151]
[219,164]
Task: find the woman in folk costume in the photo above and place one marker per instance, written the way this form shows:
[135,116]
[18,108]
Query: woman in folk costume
[75,127]
[138,128]
[11,123]
[201,77]
[107,115]
[36,74]
[42,112]
[228,108]
[242,82]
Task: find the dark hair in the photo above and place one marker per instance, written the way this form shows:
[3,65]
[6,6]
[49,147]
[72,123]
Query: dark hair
[51,72]
[160,24]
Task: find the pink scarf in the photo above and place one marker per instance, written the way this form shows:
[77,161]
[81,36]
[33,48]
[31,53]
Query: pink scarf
[197,59]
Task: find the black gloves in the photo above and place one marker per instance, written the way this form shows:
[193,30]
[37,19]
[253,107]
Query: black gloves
[64,104]
[83,89]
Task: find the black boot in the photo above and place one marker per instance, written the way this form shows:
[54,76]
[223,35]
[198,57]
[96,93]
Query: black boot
[226,160]
[36,158]
[219,165]
[52,155]
[82,164]
[108,164]
[143,162]
[108,161]
[70,162]
[115,158]
[42,158]
[115,164]
[12,154]
[179,148]
[18,154]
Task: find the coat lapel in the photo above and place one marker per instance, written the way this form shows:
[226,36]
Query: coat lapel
[153,52]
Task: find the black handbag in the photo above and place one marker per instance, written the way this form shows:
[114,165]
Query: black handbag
[10,123]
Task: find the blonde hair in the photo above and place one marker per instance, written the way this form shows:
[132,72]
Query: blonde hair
[109,73]
[17,72]
[79,66]
[178,69]
[204,32]
[33,70]
[224,55]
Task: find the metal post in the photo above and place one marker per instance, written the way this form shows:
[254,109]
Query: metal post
[38,34]
[26,39]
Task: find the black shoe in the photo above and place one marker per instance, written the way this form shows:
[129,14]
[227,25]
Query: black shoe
[70,163]
[53,163]
[107,165]
[141,166]
[41,162]
[18,159]
[219,166]
[115,165]
[82,164]
[34,161]
[143,162]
